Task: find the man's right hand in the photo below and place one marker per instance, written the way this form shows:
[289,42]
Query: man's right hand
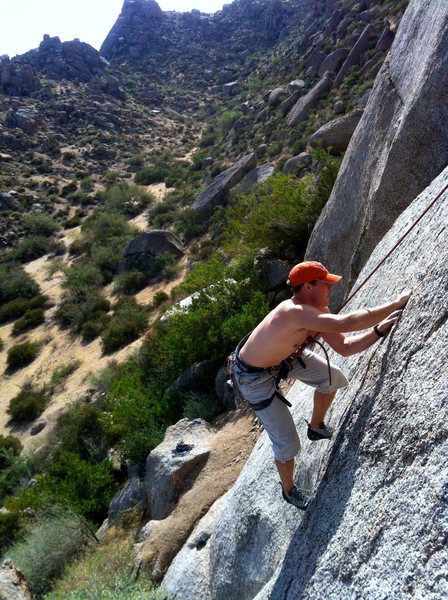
[402,300]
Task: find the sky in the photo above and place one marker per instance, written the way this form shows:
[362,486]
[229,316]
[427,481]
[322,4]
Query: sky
[24,22]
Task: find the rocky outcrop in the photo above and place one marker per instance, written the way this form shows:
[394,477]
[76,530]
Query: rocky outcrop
[130,497]
[334,61]
[74,60]
[399,146]
[13,585]
[380,485]
[168,465]
[300,110]
[337,134]
[141,252]
[296,163]
[17,80]
[364,42]
[216,192]
[26,119]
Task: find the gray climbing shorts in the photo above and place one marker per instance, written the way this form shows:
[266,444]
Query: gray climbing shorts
[276,418]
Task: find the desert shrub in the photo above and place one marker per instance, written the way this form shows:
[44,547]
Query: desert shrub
[81,305]
[137,413]
[130,282]
[61,373]
[87,488]
[81,430]
[22,355]
[202,275]
[10,527]
[159,298]
[69,188]
[19,306]
[226,120]
[40,225]
[282,213]
[16,283]
[203,406]
[106,259]
[136,160]
[81,280]
[32,318]
[188,224]
[128,322]
[166,264]
[91,330]
[149,175]
[106,573]
[33,247]
[215,321]
[128,200]
[29,403]
[10,446]
[51,542]
[70,223]
[87,184]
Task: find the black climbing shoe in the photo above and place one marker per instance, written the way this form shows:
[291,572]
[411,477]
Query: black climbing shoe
[322,433]
[297,498]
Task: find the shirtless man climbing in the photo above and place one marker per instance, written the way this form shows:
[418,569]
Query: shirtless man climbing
[276,350]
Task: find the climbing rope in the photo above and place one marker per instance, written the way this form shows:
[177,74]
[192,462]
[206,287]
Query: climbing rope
[382,261]
[427,209]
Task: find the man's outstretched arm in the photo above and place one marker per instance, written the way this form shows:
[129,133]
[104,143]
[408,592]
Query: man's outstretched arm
[323,322]
[354,344]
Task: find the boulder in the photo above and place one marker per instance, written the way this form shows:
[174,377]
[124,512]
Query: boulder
[255,177]
[287,104]
[141,253]
[300,110]
[334,61]
[337,133]
[131,496]
[230,89]
[274,273]
[216,193]
[226,76]
[276,96]
[385,41]
[296,84]
[13,585]
[166,468]
[363,43]
[8,202]
[314,60]
[26,119]
[399,146]
[223,391]
[360,526]
[296,163]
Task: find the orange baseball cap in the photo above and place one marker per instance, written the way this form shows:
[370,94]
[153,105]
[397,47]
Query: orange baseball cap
[310,271]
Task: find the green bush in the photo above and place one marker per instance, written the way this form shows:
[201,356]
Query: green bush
[51,542]
[136,160]
[150,175]
[19,306]
[87,184]
[33,247]
[159,298]
[22,355]
[128,200]
[16,283]
[10,527]
[29,403]
[61,373]
[40,225]
[69,188]
[203,406]
[188,224]
[91,330]
[130,282]
[166,264]
[10,446]
[81,430]
[129,321]
[226,121]
[32,318]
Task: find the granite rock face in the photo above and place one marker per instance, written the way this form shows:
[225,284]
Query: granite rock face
[399,147]
[376,527]
[13,585]
[141,252]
